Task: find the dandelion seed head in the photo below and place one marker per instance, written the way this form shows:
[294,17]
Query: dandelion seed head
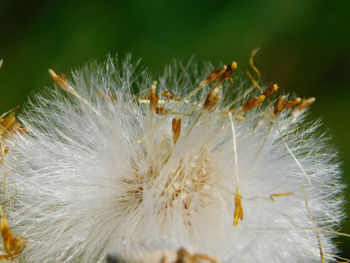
[121,162]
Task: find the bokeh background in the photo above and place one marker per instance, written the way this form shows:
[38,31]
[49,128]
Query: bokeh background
[304,46]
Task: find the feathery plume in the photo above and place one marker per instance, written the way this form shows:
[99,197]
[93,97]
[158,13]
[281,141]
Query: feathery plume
[166,173]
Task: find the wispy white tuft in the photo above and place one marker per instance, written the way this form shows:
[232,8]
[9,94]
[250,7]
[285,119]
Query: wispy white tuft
[101,173]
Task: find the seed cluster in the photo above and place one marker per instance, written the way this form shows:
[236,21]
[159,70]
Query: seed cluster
[188,179]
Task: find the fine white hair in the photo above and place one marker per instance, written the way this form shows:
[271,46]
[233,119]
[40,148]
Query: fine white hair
[100,172]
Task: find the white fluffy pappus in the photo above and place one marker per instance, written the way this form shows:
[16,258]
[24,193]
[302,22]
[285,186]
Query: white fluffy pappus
[120,164]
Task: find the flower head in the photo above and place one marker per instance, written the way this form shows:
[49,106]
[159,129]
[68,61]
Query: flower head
[115,162]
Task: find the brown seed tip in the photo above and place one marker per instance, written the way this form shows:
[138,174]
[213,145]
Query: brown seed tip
[153,97]
[215,74]
[291,103]
[1,62]
[176,127]
[212,99]
[278,107]
[60,81]
[305,103]
[252,103]
[183,256]
[228,71]
[271,90]
[238,214]
[53,75]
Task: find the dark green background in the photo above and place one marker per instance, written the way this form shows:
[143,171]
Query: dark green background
[304,46]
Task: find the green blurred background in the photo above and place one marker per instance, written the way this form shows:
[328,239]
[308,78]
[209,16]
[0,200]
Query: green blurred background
[304,46]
